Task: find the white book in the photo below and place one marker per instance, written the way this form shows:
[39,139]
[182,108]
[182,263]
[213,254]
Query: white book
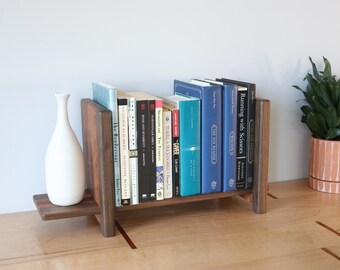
[159,150]
[124,150]
[133,149]
[167,153]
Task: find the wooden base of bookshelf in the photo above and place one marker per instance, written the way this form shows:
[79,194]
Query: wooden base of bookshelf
[49,211]
[99,198]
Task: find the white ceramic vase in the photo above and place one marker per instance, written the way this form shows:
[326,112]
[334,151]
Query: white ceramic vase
[64,162]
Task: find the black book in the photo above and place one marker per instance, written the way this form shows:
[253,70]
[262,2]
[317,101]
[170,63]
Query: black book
[152,139]
[143,149]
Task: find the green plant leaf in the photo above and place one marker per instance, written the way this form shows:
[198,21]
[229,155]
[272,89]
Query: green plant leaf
[297,87]
[332,118]
[312,83]
[306,109]
[327,73]
[317,125]
[315,70]
[322,93]
[336,90]
[333,133]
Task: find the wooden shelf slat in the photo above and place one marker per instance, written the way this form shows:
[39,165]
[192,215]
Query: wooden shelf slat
[181,200]
[49,211]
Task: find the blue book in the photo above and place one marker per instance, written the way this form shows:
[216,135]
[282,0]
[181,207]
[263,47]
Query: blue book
[229,128]
[106,95]
[246,148]
[189,143]
[211,130]
[229,93]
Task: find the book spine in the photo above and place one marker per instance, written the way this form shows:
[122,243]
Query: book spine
[167,145]
[175,152]
[190,140]
[251,136]
[116,157]
[242,97]
[229,137]
[152,153]
[124,150]
[108,98]
[211,132]
[159,149]
[142,145]
[133,153]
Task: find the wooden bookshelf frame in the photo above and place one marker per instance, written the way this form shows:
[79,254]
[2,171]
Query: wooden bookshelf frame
[99,196]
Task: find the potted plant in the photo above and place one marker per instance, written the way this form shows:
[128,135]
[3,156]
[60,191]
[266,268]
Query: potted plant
[321,114]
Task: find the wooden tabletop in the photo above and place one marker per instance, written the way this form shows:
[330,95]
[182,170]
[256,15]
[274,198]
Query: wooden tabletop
[300,231]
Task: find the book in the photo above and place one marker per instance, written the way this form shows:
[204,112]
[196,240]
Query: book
[158,144]
[246,129]
[229,122]
[175,146]
[159,150]
[167,154]
[143,145]
[189,142]
[133,149]
[106,95]
[150,142]
[124,150]
[211,130]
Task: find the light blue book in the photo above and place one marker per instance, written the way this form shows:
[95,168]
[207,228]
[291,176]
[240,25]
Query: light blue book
[211,130]
[106,95]
[189,143]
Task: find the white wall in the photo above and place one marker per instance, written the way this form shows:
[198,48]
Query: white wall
[60,45]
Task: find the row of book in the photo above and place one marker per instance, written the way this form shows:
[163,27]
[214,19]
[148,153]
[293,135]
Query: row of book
[199,140]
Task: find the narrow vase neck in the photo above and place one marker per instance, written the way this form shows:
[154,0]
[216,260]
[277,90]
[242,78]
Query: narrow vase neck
[62,116]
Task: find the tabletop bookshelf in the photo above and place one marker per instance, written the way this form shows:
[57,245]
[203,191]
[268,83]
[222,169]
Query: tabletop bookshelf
[99,195]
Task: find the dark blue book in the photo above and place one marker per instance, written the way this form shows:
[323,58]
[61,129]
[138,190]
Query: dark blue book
[246,130]
[229,127]
[211,130]
[229,106]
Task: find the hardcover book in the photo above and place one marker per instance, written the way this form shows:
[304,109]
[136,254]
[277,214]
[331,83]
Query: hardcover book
[247,143]
[229,123]
[190,141]
[211,130]
[106,95]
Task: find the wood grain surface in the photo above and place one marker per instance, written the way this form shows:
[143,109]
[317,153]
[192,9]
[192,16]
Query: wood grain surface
[219,234]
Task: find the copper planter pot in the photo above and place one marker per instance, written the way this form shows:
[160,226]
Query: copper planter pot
[324,165]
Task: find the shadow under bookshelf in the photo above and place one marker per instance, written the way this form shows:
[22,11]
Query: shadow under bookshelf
[99,196]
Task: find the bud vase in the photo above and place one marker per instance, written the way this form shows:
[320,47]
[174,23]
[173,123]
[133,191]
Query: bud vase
[64,162]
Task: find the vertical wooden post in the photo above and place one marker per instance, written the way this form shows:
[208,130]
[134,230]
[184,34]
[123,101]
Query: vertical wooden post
[262,123]
[97,147]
